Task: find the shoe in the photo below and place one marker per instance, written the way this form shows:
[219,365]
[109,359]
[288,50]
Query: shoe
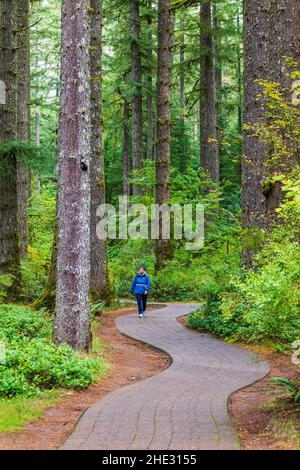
[141,315]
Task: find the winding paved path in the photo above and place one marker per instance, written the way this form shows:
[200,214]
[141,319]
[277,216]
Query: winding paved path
[184,407]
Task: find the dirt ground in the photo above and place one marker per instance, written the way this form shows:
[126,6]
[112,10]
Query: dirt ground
[131,361]
[262,416]
[260,424]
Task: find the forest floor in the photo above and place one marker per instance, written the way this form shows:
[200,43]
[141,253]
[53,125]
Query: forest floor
[263,420]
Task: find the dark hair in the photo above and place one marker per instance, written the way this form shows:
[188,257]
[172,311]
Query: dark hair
[143,266]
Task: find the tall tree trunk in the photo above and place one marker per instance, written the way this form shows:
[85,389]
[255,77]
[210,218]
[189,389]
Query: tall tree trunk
[183,155]
[209,153]
[256,64]
[136,70]
[163,249]
[23,72]
[239,72]
[150,111]
[284,42]
[99,280]
[126,148]
[218,70]
[126,139]
[9,240]
[72,322]
[37,117]
[181,73]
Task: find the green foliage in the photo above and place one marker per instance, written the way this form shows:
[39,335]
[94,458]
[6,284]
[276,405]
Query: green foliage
[188,277]
[6,281]
[32,362]
[292,388]
[18,411]
[209,318]
[125,259]
[19,322]
[35,365]
[32,156]
[41,230]
[270,295]
[262,304]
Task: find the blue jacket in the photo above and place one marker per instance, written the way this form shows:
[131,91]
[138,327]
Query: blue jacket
[140,284]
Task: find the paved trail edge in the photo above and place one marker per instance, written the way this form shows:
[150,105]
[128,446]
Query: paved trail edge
[183,407]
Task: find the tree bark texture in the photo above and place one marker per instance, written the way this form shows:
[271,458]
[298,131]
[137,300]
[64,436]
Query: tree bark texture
[23,72]
[239,73]
[136,70]
[99,280]
[150,110]
[9,239]
[126,148]
[284,41]
[256,50]
[183,150]
[72,322]
[271,33]
[164,58]
[209,153]
[218,70]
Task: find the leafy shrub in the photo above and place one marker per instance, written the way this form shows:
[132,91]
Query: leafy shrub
[37,364]
[6,281]
[292,388]
[209,318]
[261,304]
[187,277]
[269,297]
[32,362]
[17,322]
[190,278]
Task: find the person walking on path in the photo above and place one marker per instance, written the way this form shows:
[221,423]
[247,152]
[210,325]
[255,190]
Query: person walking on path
[140,287]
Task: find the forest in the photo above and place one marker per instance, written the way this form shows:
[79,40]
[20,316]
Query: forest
[166,102]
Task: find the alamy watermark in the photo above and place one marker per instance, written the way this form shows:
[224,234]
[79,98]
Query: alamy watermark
[176,221]
[2,92]
[2,353]
[296,352]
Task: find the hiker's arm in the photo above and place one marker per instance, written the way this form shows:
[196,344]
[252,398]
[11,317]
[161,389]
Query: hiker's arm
[133,285]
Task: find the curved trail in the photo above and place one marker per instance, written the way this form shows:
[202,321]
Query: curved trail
[183,407]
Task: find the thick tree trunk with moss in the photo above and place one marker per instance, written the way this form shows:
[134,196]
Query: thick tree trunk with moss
[163,248]
[284,42]
[23,72]
[209,148]
[136,71]
[256,63]
[218,69]
[271,34]
[99,280]
[72,322]
[9,240]
[150,110]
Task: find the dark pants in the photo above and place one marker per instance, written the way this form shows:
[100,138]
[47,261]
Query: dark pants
[142,302]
